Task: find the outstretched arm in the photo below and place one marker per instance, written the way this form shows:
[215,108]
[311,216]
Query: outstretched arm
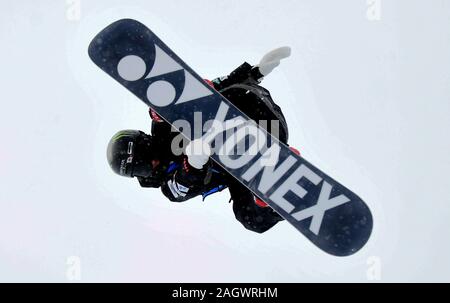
[246,72]
[272,59]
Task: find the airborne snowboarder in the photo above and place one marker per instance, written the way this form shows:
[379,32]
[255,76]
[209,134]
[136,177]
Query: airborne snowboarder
[229,149]
[149,158]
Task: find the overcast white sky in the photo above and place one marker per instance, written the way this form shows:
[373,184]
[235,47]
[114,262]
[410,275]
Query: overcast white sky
[366,96]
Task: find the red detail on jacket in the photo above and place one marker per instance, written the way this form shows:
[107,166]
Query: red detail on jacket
[210,83]
[155,116]
[296,151]
[260,203]
[186,164]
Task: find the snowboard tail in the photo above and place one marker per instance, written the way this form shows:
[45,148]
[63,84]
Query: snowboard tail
[331,216]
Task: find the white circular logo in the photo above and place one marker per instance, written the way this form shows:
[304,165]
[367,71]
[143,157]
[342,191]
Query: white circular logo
[161,93]
[131,68]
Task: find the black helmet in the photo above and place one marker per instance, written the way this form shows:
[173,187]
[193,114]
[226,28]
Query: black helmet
[129,153]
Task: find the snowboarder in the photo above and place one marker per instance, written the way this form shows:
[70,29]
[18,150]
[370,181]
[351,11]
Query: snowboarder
[150,159]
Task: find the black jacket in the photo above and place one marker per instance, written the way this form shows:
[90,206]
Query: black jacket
[183,182]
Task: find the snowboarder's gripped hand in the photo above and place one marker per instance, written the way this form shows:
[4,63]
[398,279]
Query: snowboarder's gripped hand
[150,159]
[272,59]
[198,153]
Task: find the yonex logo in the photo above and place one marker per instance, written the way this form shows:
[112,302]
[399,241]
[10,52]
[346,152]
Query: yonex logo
[272,169]
[161,93]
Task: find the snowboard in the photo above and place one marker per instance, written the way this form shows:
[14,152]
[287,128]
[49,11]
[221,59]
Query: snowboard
[330,215]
